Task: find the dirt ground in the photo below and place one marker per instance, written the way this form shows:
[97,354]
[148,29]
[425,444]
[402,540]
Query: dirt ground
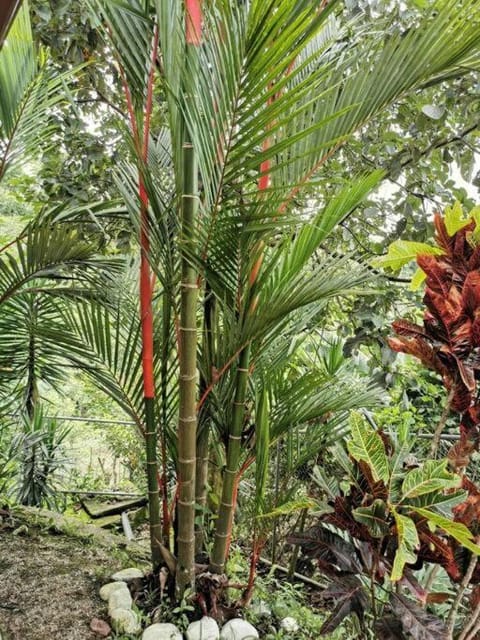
[49,584]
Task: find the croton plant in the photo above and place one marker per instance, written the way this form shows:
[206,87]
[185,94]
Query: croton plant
[395,515]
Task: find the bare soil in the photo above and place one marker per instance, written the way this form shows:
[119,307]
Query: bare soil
[49,583]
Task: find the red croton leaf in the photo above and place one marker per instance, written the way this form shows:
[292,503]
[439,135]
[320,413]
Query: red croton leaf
[462,398]
[475,597]
[474,260]
[408,329]
[438,278]
[441,236]
[437,597]
[420,624]
[471,293]
[417,347]
[459,455]
[447,310]
[475,333]
[436,550]
[468,511]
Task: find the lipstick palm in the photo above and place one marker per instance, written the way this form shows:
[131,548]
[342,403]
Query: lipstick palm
[279,87]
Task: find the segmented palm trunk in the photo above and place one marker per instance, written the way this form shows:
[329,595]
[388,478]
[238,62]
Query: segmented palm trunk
[227,504]
[201,486]
[164,381]
[187,422]
[223,529]
[146,314]
[203,435]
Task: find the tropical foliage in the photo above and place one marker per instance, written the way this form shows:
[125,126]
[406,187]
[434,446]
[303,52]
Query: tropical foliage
[216,340]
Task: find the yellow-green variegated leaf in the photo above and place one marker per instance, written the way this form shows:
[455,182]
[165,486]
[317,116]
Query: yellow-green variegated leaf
[408,543]
[475,216]
[418,279]
[374,517]
[367,446]
[455,529]
[287,508]
[455,218]
[401,252]
[431,476]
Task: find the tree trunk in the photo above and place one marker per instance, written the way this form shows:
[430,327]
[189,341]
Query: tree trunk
[187,420]
[225,515]
[187,427]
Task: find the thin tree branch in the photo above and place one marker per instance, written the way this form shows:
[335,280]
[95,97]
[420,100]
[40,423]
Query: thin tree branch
[452,616]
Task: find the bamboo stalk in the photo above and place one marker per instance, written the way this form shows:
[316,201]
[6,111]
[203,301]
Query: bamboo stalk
[225,515]
[201,486]
[166,320]
[187,420]
[203,437]
[146,314]
[187,424]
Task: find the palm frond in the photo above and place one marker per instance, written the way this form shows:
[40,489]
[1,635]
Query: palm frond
[29,92]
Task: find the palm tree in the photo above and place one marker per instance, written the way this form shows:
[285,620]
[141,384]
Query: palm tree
[49,262]
[278,89]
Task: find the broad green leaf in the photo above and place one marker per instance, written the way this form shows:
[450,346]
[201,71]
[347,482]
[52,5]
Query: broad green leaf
[374,517]
[439,501]
[455,529]
[408,543]
[401,252]
[475,215]
[418,279]
[455,218]
[367,445]
[289,507]
[431,476]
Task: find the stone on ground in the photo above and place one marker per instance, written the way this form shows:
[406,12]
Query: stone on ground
[289,624]
[100,627]
[204,629]
[238,629]
[162,631]
[127,574]
[109,588]
[125,621]
[119,599]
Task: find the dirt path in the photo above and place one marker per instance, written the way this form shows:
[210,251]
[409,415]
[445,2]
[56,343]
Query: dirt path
[49,582]
[49,586]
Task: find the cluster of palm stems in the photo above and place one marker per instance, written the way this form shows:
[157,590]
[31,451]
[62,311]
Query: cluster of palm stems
[233,110]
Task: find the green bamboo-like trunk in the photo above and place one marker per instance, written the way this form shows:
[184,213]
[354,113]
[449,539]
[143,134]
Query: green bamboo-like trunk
[203,435]
[165,356]
[201,486]
[152,481]
[187,424]
[147,331]
[226,510]
[187,419]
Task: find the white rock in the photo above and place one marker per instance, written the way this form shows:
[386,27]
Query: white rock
[125,621]
[119,599]
[109,588]
[204,629]
[238,629]
[162,631]
[289,624]
[127,574]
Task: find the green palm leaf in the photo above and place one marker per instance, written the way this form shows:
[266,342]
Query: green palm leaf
[29,93]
